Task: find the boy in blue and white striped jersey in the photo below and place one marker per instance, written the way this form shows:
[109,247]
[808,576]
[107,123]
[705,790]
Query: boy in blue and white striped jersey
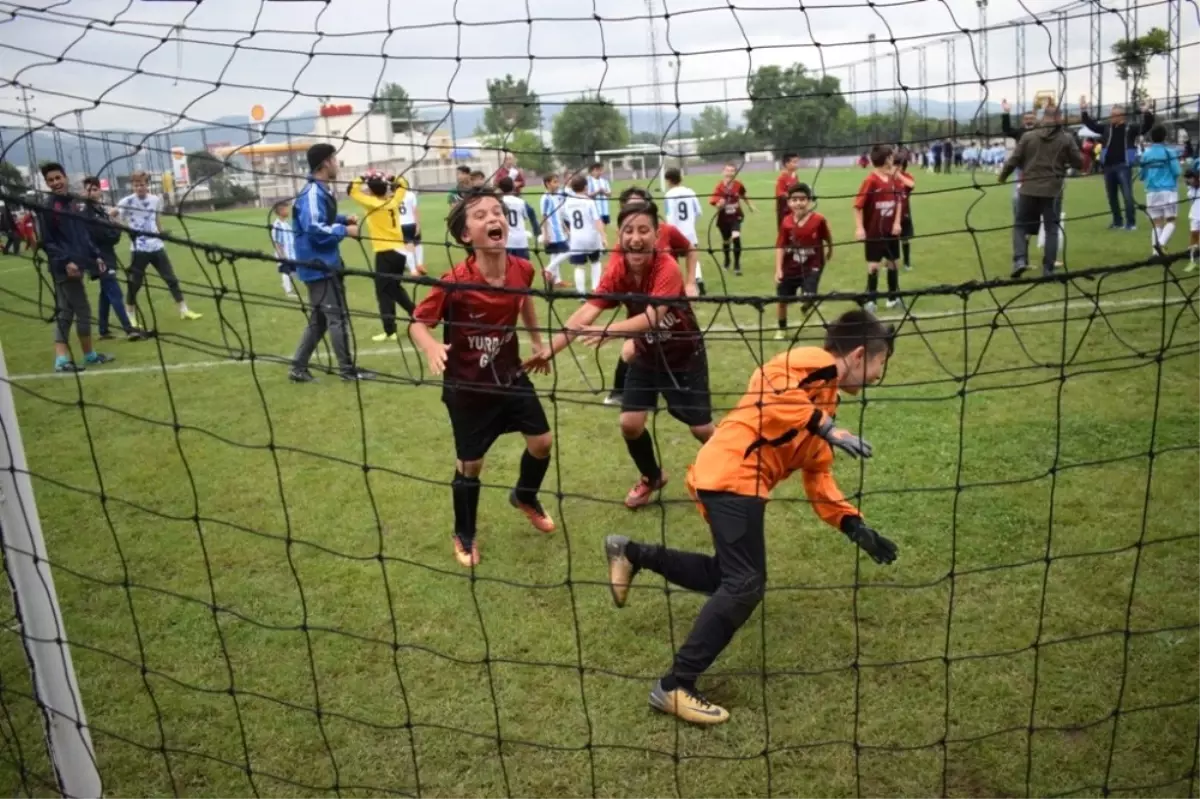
[554,229]
[285,245]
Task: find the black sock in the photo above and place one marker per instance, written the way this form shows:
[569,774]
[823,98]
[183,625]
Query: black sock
[783,323]
[725,252]
[893,280]
[700,286]
[645,556]
[670,682]
[904,248]
[529,480]
[737,253]
[619,377]
[465,491]
[872,285]
[641,449]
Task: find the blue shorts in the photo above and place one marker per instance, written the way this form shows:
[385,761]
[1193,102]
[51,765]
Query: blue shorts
[522,252]
[555,247]
[410,234]
[581,258]
[604,218]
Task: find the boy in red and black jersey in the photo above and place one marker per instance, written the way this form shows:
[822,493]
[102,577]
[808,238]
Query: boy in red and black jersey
[802,249]
[903,159]
[783,185]
[727,198]
[671,241]
[878,210]
[669,357]
[486,390]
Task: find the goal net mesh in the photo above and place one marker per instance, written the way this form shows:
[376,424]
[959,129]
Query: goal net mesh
[256,578]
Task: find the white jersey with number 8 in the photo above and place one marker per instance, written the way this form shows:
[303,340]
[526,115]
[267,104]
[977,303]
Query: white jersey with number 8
[580,216]
[683,211]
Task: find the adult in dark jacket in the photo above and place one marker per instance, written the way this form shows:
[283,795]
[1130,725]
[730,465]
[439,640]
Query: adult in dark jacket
[105,235]
[67,240]
[1043,155]
[1119,137]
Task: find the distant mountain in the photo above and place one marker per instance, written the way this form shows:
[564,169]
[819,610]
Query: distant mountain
[117,147]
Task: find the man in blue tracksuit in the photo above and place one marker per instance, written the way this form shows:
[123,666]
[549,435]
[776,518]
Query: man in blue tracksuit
[67,240]
[318,230]
[105,236]
[1160,171]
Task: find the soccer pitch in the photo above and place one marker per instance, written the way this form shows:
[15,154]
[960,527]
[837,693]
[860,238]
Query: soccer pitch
[253,611]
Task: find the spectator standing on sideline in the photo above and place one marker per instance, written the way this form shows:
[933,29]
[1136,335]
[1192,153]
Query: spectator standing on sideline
[462,177]
[510,170]
[8,229]
[67,241]
[105,235]
[1043,155]
[1119,138]
[318,230]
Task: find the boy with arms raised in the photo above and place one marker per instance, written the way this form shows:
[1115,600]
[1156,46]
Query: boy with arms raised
[783,424]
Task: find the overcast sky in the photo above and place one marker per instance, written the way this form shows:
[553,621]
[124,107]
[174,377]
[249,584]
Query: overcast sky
[265,51]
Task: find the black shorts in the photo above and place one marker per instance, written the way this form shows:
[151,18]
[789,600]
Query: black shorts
[728,225]
[479,419]
[390,262]
[879,250]
[906,228]
[411,236]
[805,284]
[555,247]
[685,390]
[581,258]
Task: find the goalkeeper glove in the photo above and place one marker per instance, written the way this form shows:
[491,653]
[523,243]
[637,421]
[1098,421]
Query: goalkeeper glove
[876,546]
[843,439]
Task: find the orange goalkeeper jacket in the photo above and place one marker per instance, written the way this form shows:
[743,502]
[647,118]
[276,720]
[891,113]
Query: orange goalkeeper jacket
[772,433]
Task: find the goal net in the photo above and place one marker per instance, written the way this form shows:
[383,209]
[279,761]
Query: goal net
[230,580]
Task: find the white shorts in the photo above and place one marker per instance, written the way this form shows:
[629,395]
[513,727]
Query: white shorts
[1162,204]
[1195,223]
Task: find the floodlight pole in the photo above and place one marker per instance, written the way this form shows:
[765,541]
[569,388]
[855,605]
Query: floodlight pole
[1061,54]
[1174,32]
[1021,88]
[39,615]
[873,75]
[983,54]
[1096,60]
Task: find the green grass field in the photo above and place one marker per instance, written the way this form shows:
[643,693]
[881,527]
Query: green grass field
[1038,635]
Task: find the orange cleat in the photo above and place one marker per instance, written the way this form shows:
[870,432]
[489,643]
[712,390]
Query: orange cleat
[643,491]
[466,556]
[536,514]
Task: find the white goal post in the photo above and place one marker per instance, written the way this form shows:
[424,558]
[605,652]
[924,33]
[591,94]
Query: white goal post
[38,613]
[634,157]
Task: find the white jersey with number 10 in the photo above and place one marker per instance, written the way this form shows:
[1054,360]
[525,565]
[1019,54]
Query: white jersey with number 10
[518,212]
[581,217]
[683,211]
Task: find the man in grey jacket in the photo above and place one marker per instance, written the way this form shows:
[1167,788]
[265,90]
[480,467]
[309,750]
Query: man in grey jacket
[1043,155]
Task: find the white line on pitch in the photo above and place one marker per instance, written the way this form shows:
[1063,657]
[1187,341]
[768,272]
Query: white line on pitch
[276,360]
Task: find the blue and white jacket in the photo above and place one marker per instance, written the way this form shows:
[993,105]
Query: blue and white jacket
[318,229]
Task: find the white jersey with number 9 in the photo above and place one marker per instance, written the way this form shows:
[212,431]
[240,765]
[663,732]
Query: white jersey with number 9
[683,210]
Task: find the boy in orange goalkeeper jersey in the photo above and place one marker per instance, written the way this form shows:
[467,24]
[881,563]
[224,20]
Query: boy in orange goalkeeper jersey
[784,423]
